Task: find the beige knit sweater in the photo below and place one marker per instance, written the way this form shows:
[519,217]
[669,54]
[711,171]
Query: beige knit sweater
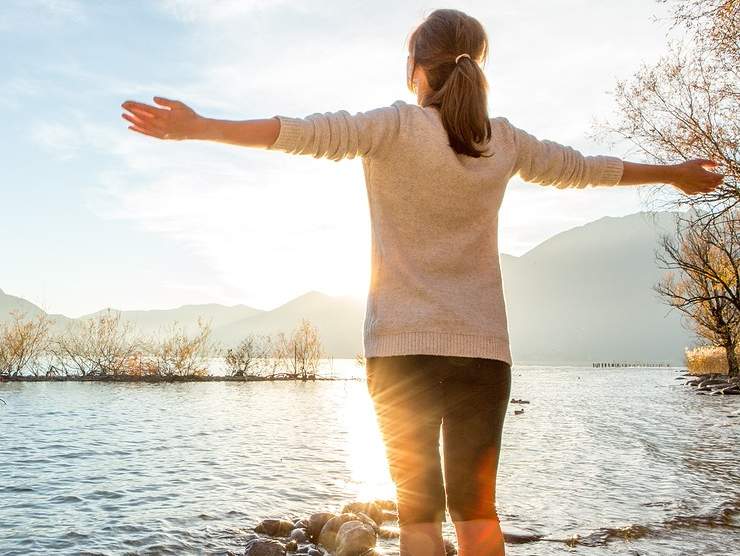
[436,285]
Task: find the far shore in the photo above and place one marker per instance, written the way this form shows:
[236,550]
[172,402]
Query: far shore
[159,379]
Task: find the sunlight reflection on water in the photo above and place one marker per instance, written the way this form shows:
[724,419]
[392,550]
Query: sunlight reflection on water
[190,468]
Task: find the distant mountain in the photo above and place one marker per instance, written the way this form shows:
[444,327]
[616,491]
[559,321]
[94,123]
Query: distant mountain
[158,320]
[583,295]
[586,295]
[339,320]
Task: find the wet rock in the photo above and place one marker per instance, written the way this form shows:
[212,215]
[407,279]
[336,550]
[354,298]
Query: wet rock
[291,545]
[371,509]
[299,535]
[389,532]
[274,527]
[301,524]
[264,547]
[731,391]
[328,535]
[316,523]
[450,548]
[389,515]
[386,505]
[315,552]
[355,538]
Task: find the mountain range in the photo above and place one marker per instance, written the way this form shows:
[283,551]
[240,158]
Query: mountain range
[581,296]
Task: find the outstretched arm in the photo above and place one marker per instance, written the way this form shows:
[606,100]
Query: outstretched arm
[178,122]
[549,163]
[691,177]
[332,135]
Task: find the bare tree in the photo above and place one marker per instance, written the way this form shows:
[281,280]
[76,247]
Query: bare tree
[100,346]
[686,105]
[307,350]
[703,278]
[176,354]
[249,357]
[23,344]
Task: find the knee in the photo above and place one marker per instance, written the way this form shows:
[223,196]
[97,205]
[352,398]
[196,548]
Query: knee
[467,510]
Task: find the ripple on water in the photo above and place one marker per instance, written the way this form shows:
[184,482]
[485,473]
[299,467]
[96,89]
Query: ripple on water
[624,461]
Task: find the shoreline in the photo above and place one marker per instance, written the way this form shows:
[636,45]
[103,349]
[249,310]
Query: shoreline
[173,379]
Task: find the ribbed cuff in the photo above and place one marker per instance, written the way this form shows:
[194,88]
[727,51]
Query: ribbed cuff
[437,343]
[290,134]
[613,169]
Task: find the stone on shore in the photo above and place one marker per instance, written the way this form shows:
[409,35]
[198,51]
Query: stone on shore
[264,547]
[371,509]
[316,523]
[274,527]
[354,538]
[328,535]
[299,535]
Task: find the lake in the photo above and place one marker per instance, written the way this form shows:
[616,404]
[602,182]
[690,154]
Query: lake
[627,461]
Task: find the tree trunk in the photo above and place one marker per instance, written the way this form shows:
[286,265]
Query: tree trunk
[732,367]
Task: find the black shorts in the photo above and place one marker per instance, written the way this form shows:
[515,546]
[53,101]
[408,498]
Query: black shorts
[468,396]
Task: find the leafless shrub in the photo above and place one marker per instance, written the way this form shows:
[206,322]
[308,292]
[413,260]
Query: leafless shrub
[250,356]
[23,344]
[100,346]
[176,354]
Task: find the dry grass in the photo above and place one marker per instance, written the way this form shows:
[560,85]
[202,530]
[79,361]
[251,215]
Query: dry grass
[704,360]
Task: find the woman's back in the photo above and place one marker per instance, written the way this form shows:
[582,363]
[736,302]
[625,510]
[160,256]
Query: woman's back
[436,285]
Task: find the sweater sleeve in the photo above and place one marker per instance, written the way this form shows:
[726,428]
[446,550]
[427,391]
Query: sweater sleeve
[339,135]
[549,163]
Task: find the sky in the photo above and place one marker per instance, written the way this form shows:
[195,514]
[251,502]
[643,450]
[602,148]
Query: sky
[94,215]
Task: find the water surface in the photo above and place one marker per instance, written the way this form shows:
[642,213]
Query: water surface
[625,461]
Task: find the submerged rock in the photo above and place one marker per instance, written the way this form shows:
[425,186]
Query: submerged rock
[355,538]
[264,547]
[274,527]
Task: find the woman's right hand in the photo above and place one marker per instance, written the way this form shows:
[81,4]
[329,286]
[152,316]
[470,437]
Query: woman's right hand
[692,178]
[176,121]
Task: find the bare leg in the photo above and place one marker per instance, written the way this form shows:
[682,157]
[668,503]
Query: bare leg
[479,537]
[422,539]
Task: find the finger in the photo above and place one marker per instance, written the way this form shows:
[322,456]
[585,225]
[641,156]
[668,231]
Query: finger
[141,124]
[168,102]
[141,113]
[130,104]
[145,132]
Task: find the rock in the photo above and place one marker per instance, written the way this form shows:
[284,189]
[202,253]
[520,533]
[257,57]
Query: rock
[711,381]
[328,535]
[274,527]
[300,524]
[299,535]
[316,523]
[264,547]
[731,391]
[693,382]
[291,545]
[371,509]
[355,538]
[314,552]
[389,532]
[450,548]
[389,515]
[386,505]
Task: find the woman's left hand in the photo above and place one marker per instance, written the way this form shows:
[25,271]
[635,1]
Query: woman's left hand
[177,121]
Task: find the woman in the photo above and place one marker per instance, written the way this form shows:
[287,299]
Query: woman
[435,330]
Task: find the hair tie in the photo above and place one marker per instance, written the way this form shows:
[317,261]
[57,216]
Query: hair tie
[460,56]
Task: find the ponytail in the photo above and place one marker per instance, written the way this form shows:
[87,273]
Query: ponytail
[459,89]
